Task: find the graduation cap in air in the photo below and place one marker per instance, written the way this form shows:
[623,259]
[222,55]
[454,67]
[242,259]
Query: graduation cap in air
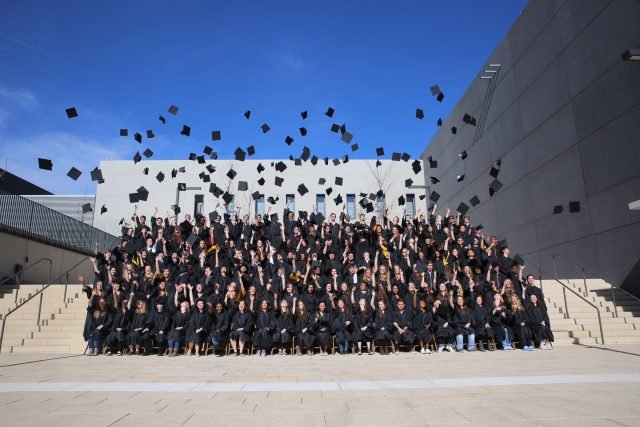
[303,131]
[419,114]
[96,175]
[322,181]
[279,181]
[281,166]
[200,159]
[271,200]
[182,169]
[463,155]
[124,132]
[186,130]
[401,201]
[103,209]
[416,166]
[216,135]
[472,122]
[160,177]
[422,197]
[260,168]
[347,137]
[380,193]
[145,171]
[150,134]
[162,119]
[192,156]
[435,90]
[211,168]
[454,130]
[345,158]
[314,160]
[338,180]
[338,200]
[86,208]
[405,157]
[439,122]
[137,158]
[251,150]
[207,150]
[143,194]
[380,151]
[434,197]
[329,112]
[228,198]
[494,171]
[494,187]
[518,259]
[432,163]
[304,114]
[440,97]
[243,186]
[463,208]
[343,128]
[466,118]
[363,203]
[370,207]
[134,198]
[137,137]
[336,162]
[434,180]
[71,112]
[265,128]
[255,195]
[335,128]
[298,162]
[288,140]
[192,239]
[232,174]
[247,114]
[212,216]
[74,174]
[174,173]
[240,154]
[213,155]
[557,209]
[378,163]
[475,201]
[173,110]
[148,153]
[460,178]
[574,207]
[215,190]
[354,147]
[408,182]
[306,153]
[176,209]
[396,157]
[261,181]
[329,191]
[302,189]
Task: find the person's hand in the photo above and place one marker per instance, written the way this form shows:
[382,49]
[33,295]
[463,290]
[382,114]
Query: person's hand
[468,325]
[99,327]
[161,332]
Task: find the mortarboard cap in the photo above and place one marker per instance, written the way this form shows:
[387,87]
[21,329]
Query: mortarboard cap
[335,128]
[186,130]
[435,90]
[454,130]
[378,163]
[354,147]
[145,171]
[336,162]
[247,114]
[103,209]
[405,157]
[557,209]
[143,194]
[74,174]
[193,238]
[338,180]
[137,157]
[434,180]
[304,114]
[176,209]
[347,137]
[494,171]
[380,151]
[329,191]
[273,217]
[200,159]
[380,193]
[71,112]
[338,200]
[329,112]
[265,128]
[463,155]
[439,122]
[148,153]
[281,166]
[466,118]
[401,201]
[173,110]
[434,197]
[314,160]
[45,164]
[215,190]
[495,185]
[255,195]
[463,208]
[207,150]
[228,198]
[303,131]
[124,132]
[240,154]
[232,174]
[422,197]
[162,119]
[212,216]
[174,173]
[261,181]
[460,178]
[396,157]
[288,140]
[475,201]
[574,207]
[251,150]
[192,156]
[243,186]
[416,166]
[260,168]
[160,177]
[432,163]
[408,182]
[279,181]
[321,181]
[150,134]
[440,97]
[134,198]
[271,200]
[96,175]
[211,169]
[86,208]
[137,137]
[302,189]
[216,135]
[419,114]
[370,207]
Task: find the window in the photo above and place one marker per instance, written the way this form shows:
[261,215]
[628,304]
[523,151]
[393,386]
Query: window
[351,205]
[260,205]
[291,202]
[411,204]
[231,206]
[198,205]
[320,204]
[380,207]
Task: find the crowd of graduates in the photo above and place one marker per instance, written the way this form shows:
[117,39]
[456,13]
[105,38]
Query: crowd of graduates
[306,284]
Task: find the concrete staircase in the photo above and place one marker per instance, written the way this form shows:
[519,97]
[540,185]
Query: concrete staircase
[581,325]
[61,321]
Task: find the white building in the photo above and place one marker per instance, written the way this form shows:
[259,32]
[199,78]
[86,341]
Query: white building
[359,177]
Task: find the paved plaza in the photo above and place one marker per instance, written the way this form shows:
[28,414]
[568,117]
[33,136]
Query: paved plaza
[573,385]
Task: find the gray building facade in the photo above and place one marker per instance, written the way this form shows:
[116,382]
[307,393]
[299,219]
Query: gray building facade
[560,108]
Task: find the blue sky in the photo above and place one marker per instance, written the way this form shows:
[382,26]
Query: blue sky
[121,64]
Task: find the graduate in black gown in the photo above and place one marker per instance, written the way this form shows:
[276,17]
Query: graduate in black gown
[265,324]
[481,323]
[322,322]
[343,325]
[161,325]
[382,326]
[100,326]
[402,326]
[117,338]
[199,326]
[305,336]
[241,327]
[179,327]
[284,330]
[538,322]
[517,320]
[422,323]
[219,334]
[363,326]
[139,330]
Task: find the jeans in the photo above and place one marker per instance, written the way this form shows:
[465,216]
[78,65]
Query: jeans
[471,341]
[215,342]
[507,340]
[174,343]
[95,343]
[343,346]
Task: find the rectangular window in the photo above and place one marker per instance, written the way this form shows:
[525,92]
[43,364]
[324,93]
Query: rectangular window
[380,207]
[291,202]
[198,205]
[351,205]
[411,204]
[320,204]
[260,205]
[231,206]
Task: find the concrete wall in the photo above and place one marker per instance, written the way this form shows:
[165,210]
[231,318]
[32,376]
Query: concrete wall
[17,250]
[70,205]
[564,118]
[359,176]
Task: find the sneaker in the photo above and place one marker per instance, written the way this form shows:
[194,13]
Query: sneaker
[119,353]
[423,350]
[370,352]
[440,348]
[359,352]
[471,349]
[427,351]
[397,352]
[109,353]
[449,348]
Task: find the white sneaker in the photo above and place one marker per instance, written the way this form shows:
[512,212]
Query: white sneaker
[440,348]
[449,348]
[427,351]
[397,352]
[423,350]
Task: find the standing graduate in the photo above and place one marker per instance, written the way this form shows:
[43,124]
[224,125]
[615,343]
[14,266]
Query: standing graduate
[538,322]
[422,324]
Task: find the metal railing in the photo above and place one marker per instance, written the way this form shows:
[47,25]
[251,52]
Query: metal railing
[564,295]
[38,293]
[584,279]
[6,279]
[26,218]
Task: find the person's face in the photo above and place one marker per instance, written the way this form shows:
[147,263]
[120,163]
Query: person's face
[241,306]
[284,307]
[534,299]
[200,305]
[460,301]
[219,308]
[531,280]
[159,307]
[102,303]
[442,287]
[184,306]
[341,304]
[380,305]
[322,307]
[264,305]
[333,217]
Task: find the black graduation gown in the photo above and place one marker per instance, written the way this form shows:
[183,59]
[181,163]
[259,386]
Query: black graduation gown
[265,325]
[220,326]
[461,318]
[199,320]
[120,320]
[283,322]
[105,320]
[481,316]
[441,317]
[161,322]
[360,320]
[322,328]
[382,325]
[521,333]
[422,323]
[307,338]
[342,330]
[140,322]
[180,320]
[404,319]
[241,326]
[535,317]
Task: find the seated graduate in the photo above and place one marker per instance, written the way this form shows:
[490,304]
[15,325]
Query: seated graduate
[199,325]
[322,321]
[402,321]
[219,334]
[422,324]
[445,328]
[305,337]
[179,328]
[382,326]
[463,319]
[499,323]
[241,327]
[481,315]
[538,322]
[161,325]
[284,329]
[517,320]
[99,326]
[117,338]
[343,325]
[363,326]
[141,323]
[265,323]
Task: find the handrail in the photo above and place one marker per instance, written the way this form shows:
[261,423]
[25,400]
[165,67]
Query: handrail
[39,292]
[564,290]
[6,279]
[613,297]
